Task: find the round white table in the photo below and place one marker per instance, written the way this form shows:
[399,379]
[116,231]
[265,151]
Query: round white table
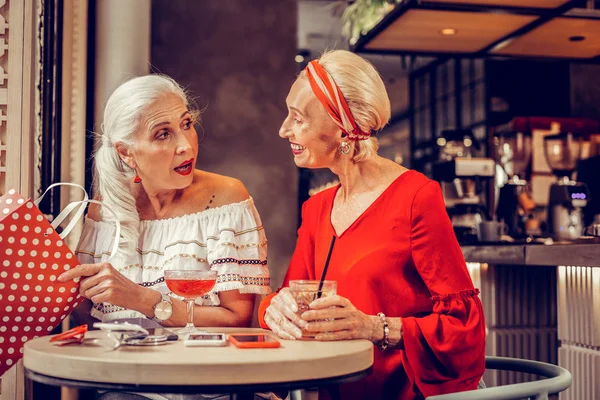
[174,368]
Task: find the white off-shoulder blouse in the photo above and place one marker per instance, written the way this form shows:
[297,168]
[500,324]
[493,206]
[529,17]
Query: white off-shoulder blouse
[230,239]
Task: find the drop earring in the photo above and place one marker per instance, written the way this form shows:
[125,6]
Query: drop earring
[137,179]
[344,148]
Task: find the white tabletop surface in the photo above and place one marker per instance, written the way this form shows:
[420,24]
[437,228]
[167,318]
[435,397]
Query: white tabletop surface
[176,364]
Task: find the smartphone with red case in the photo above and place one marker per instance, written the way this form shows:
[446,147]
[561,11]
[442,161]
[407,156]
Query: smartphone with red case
[253,341]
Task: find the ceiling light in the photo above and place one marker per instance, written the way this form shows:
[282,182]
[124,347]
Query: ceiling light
[448,31]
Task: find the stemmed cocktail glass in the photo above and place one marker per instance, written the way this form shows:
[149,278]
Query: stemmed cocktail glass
[190,284]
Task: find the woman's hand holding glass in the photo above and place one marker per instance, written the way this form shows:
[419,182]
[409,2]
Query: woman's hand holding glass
[281,316]
[336,318]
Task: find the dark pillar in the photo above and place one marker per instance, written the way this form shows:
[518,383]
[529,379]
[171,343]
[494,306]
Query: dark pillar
[237,59]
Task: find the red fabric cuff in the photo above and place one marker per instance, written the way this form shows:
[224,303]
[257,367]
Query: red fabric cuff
[262,309]
[454,296]
[456,304]
[445,350]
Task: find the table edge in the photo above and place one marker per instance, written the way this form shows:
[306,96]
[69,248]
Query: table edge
[188,389]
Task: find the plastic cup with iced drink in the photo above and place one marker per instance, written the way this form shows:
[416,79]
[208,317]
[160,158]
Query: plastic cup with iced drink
[305,292]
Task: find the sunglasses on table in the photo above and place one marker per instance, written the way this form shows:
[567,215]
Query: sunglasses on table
[115,335]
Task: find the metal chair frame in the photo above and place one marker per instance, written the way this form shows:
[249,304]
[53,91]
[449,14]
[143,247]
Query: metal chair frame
[558,379]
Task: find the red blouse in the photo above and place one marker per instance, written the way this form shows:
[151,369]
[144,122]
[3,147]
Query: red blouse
[401,257]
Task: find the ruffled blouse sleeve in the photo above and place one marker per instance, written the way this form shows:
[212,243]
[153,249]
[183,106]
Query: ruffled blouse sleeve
[237,250]
[446,349]
[95,242]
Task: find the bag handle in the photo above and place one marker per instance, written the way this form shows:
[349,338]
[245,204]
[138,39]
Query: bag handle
[39,199]
[69,208]
[61,217]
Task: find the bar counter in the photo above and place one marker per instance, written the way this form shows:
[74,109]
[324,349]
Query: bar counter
[579,254]
[542,302]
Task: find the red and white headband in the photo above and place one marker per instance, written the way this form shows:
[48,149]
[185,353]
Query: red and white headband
[331,97]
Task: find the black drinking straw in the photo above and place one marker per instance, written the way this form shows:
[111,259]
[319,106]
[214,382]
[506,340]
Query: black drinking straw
[319,293]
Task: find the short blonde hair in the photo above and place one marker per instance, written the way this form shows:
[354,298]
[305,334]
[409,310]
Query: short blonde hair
[365,94]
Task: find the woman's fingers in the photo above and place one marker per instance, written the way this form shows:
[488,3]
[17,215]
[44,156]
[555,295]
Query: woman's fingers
[92,288]
[327,313]
[295,318]
[286,307]
[331,326]
[339,335]
[330,301]
[285,297]
[105,295]
[88,283]
[277,329]
[82,271]
[281,321]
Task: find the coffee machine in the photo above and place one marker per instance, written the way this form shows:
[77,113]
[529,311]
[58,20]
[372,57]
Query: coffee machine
[461,177]
[515,204]
[567,197]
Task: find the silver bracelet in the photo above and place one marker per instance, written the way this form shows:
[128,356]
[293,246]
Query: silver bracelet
[386,332]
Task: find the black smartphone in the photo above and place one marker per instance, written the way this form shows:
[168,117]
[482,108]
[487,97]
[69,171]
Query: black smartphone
[161,331]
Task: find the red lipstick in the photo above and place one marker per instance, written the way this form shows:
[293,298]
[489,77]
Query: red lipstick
[185,168]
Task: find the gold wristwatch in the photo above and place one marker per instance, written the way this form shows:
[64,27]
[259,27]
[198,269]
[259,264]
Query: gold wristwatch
[163,309]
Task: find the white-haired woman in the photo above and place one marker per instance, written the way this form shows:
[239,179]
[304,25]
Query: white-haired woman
[402,280]
[172,215]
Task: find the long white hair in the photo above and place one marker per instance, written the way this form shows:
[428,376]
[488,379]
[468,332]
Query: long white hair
[122,117]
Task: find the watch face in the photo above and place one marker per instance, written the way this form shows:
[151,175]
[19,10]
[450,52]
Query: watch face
[163,310]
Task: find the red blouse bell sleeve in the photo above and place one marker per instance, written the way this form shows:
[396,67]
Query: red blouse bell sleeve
[445,350]
[299,264]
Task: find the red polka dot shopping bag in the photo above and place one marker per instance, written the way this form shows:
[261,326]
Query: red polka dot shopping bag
[32,255]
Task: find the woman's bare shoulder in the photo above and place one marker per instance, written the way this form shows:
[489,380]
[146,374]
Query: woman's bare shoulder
[219,190]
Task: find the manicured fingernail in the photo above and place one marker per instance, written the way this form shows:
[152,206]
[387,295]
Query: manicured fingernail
[294,308]
[61,277]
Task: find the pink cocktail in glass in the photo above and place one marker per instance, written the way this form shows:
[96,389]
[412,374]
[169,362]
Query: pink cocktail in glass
[190,284]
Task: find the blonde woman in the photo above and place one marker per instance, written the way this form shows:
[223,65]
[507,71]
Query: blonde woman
[402,280]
